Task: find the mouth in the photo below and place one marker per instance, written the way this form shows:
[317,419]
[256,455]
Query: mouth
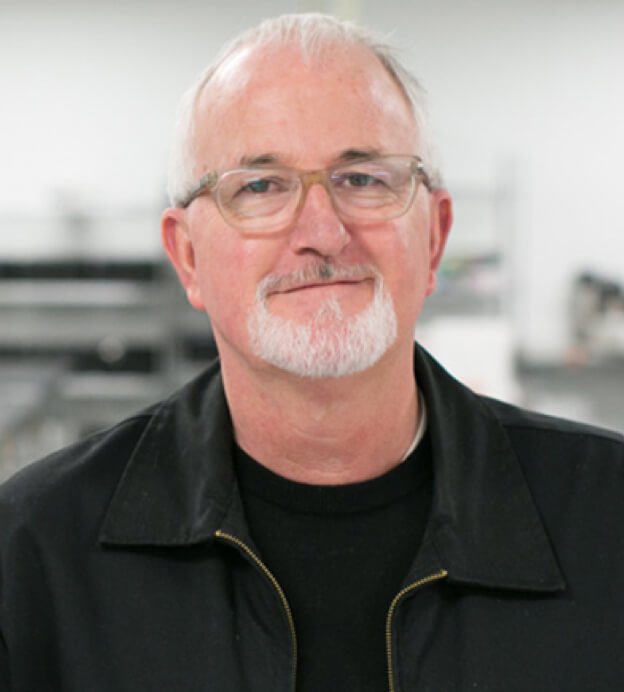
[318,285]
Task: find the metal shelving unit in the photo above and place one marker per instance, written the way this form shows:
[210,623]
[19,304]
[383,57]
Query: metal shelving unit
[84,341]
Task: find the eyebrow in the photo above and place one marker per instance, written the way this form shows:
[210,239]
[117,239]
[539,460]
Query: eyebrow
[345,156]
[357,154]
[260,160]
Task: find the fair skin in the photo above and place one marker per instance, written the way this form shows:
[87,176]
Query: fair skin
[332,430]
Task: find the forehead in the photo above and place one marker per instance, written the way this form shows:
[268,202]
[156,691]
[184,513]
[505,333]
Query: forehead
[307,112]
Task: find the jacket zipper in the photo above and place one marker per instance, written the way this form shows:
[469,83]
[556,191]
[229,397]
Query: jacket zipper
[280,592]
[442,574]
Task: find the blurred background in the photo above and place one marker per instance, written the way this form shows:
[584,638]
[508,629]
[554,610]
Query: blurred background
[527,109]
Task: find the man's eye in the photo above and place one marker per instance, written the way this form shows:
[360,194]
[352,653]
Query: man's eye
[361,180]
[257,186]
[263,186]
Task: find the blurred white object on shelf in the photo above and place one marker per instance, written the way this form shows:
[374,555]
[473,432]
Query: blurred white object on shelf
[478,350]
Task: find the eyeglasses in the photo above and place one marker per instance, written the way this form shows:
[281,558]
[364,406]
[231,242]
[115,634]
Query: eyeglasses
[267,198]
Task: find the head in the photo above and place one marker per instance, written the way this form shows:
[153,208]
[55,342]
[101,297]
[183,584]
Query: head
[324,294]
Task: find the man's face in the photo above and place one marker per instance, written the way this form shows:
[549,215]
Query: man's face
[321,290]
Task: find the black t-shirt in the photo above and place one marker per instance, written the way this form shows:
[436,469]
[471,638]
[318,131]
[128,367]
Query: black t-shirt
[340,554]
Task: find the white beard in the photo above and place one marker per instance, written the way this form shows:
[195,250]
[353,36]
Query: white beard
[330,344]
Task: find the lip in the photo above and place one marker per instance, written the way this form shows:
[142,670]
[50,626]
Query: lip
[319,284]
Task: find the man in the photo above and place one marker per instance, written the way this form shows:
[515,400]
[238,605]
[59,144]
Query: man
[325,508]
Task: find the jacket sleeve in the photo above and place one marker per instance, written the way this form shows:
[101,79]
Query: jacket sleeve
[4,666]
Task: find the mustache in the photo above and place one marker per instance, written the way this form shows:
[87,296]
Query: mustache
[316,273]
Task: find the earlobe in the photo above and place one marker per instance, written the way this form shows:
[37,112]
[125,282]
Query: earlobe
[178,245]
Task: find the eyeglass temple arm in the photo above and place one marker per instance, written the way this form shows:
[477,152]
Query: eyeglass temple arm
[205,184]
[419,168]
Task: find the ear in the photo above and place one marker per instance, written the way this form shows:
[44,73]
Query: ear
[178,245]
[440,226]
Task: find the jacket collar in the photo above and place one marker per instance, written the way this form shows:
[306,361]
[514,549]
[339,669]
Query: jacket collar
[179,487]
[179,481]
[484,527]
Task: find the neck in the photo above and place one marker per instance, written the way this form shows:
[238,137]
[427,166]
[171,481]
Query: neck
[325,431]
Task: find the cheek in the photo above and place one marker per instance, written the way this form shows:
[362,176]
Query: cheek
[409,273]
[219,281]
[404,233]
[412,228]
[228,270]
[413,251]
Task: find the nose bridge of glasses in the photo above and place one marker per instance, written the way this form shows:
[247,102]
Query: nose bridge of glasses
[310,178]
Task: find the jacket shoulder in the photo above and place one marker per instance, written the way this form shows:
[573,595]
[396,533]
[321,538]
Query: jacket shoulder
[548,445]
[515,418]
[72,482]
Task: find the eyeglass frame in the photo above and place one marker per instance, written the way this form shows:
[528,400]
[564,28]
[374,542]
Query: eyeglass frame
[210,180]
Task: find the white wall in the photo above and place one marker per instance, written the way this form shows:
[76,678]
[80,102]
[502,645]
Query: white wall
[89,90]
[540,83]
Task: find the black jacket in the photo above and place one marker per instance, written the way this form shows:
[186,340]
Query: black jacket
[127,566]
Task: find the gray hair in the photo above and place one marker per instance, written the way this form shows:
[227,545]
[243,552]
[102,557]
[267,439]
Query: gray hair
[312,33]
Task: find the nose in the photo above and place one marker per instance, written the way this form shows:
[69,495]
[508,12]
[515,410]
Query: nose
[318,228]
